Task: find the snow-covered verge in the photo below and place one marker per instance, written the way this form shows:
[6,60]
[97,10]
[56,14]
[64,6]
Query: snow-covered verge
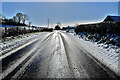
[107,54]
[110,42]
[14,42]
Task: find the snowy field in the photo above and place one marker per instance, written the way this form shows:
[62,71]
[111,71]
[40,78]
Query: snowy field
[107,54]
[16,42]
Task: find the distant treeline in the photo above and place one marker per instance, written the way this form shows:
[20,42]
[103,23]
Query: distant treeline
[100,28]
[19,26]
[10,22]
[18,20]
[47,29]
[15,31]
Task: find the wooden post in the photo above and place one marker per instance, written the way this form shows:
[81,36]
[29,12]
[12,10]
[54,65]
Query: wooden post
[5,31]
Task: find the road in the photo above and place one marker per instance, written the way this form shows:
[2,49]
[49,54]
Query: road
[54,55]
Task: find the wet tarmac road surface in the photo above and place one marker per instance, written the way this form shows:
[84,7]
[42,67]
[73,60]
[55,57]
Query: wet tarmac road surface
[54,55]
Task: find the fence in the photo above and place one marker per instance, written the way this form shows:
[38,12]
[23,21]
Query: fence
[10,30]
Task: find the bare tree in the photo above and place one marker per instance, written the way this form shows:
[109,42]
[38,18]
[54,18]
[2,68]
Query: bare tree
[59,24]
[19,16]
[14,19]
[2,16]
[25,17]
[30,24]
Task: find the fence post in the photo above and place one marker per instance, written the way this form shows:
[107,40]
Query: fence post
[6,31]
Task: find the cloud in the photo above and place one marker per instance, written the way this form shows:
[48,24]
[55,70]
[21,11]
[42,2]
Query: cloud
[60,0]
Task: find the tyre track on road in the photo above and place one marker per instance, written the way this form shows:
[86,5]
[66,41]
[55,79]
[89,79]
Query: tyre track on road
[97,64]
[18,64]
[71,61]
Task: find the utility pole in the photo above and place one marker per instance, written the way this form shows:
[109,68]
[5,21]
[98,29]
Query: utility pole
[48,23]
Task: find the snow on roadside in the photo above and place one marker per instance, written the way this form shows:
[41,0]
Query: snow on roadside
[107,54]
[10,45]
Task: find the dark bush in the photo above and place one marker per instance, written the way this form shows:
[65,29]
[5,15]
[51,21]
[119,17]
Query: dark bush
[101,28]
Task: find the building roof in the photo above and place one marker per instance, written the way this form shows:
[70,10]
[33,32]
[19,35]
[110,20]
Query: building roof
[115,18]
[112,18]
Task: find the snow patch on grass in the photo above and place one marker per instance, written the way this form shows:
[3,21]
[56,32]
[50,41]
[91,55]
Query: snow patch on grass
[10,44]
[107,53]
